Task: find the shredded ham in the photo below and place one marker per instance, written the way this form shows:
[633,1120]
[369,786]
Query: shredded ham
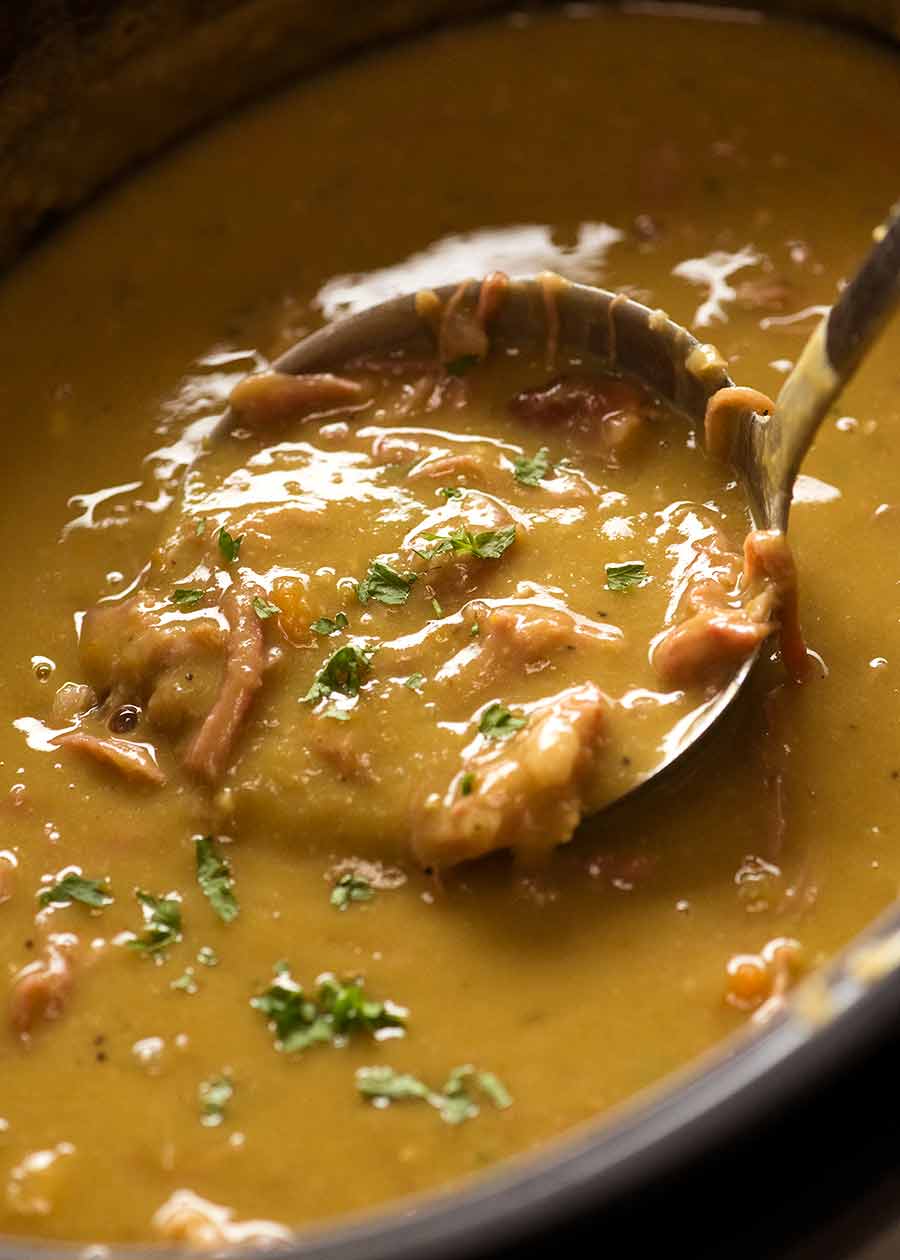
[209,750]
[273,397]
[136,761]
[40,990]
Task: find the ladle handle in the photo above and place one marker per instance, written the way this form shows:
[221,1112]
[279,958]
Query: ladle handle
[827,363]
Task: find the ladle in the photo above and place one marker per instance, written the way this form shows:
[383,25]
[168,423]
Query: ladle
[767,450]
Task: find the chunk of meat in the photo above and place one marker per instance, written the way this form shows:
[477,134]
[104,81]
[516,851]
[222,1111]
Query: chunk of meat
[267,398]
[186,1217]
[211,747]
[137,761]
[462,334]
[706,649]
[71,700]
[526,793]
[769,561]
[726,413]
[604,416]
[40,990]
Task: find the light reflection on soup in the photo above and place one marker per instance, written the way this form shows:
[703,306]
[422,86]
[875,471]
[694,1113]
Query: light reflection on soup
[146,1071]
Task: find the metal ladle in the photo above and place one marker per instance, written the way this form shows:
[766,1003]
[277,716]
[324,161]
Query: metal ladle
[767,450]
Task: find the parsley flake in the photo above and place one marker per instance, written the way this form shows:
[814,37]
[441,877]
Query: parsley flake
[229,546]
[450,492]
[214,1096]
[415,681]
[337,1010]
[186,982]
[467,783]
[498,723]
[162,922]
[455,1103]
[350,888]
[343,672]
[626,576]
[384,584]
[263,609]
[490,544]
[187,596]
[339,715]
[90,892]
[207,956]
[531,472]
[215,879]
[326,626]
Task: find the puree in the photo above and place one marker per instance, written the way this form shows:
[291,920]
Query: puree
[697,183]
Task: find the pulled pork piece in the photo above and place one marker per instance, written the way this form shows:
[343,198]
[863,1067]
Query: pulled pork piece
[463,328]
[526,792]
[276,397]
[136,761]
[186,1217]
[70,701]
[209,750]
[726,412]
[40,990]
[708,647]
[604,416]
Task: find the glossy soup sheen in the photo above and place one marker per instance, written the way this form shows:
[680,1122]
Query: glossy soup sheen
[634,151]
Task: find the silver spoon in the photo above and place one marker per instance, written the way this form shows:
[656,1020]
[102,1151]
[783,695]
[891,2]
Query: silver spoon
[767,450]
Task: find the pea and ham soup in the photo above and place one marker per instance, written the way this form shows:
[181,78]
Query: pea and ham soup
[313,686]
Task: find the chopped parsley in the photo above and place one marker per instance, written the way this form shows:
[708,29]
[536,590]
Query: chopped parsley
[350,888]
[490,544]
[436,605]
[215,878]
[463,364]
[229,546]
[626,576]
[162,922]
[456,1102]
[384,584]
[214,1096]
[415,681]
[343,672]
[450,492]
[336,1011]
[498,723]
[326,626]
[263,609]
[467,783]
[339,715]
[186,982]
[187,596]
[90,892]
[530,472]
[207,956]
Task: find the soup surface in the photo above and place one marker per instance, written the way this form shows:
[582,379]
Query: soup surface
[151,1055]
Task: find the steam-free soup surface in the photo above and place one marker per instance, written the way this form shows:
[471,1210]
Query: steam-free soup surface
[571,986]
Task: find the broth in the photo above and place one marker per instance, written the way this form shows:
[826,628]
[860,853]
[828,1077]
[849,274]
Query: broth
[629,150]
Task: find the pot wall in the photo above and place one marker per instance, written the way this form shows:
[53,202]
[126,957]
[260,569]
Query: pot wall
[89,86]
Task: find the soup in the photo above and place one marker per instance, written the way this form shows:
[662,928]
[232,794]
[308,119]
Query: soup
[236,1023]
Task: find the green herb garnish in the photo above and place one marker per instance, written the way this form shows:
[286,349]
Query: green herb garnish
[90,892]
[351,888]
[186,982]
[214,1096]
[490,544]
[626,576]
[229,546]
[339,715]
[326,626]
[263,609]
[162,922]
[207,956]
[384,584]
[467,783]
[450,492]
[215,879]
[498,723]
[436,605]
[187,596]
[460,366]
[335,1012]
[415,681]
[530,472]
[455,1102]
[343,672]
